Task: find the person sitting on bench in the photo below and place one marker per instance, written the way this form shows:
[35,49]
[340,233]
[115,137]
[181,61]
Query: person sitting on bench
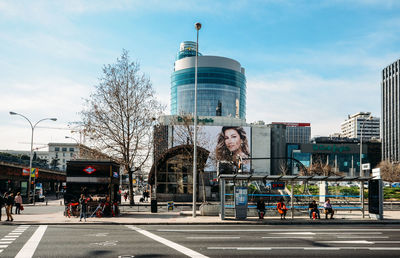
[261,208]
[328,209]
[281,207]
[313,207]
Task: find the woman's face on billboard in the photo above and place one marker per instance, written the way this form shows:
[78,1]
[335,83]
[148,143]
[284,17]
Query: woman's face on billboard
[232,140]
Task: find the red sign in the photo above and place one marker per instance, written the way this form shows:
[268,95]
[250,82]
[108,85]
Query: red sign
[25,171]
[89,170]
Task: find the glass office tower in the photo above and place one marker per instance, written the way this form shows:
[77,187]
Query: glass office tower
[221,85]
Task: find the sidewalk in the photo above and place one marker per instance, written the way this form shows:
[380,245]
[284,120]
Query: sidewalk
[129,216]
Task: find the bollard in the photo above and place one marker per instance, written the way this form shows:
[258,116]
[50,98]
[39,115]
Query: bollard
[46,202]
[60,203]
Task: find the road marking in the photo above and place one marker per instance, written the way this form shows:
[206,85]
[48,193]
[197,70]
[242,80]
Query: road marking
[283,230]
[253,248]
[321,248]
[178,247]
[5,242]
[14,233]
[365,242]
[295,233]
[8,238]
[106,243]
[216,237]
[386,242]
[3,246]
[29,248]
[362,237]
[288,237]
[384,248]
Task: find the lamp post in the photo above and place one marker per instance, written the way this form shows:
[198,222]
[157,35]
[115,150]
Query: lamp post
[78,143]
[361,143]
[30,156]
[198,27]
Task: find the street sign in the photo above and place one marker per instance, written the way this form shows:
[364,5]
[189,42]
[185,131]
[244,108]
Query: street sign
[35,172]
[25,171]
[366,166]
[277,185]
[376,173]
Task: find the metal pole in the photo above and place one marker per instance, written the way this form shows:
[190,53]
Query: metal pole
[198,27]
[31,152]
[222,197]
[361,171]
[291,199]
[362,198]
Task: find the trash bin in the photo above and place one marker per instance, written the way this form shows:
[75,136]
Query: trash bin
[170,206]
[153,206]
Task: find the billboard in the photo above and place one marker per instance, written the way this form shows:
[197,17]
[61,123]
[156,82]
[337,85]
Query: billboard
[230,144]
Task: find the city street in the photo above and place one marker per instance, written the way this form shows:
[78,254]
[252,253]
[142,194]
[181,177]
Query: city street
[87,240]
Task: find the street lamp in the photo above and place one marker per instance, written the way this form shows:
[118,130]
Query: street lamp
[361,142]
[198,27]
[30,158]
[78,143]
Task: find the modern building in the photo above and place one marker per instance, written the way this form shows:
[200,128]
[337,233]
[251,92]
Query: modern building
[297,132]
[390,93]
[361,123]
[221,88]
[342,155]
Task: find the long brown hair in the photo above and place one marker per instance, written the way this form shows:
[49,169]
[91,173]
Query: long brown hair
[222,152]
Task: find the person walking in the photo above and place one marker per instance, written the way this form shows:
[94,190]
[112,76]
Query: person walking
[2,202]
[281,207]
[18,203]
[83,203]
[261,208]
[9,204]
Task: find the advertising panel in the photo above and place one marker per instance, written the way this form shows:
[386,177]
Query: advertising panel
[225,143]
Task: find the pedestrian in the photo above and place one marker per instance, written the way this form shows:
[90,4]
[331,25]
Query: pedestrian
[281,207]
[328,209]
[83,203]
[18,203]
[9,204]
[313,207]
[261,208]
[2,202]
[125,195]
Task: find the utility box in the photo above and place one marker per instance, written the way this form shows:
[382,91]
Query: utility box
[153,205]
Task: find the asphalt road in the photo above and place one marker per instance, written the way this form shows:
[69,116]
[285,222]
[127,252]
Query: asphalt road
[87,240]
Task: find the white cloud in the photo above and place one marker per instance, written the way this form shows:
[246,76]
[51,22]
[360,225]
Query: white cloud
[296,96]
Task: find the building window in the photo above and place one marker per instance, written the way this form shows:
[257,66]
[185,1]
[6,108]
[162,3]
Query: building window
[64,149]
[56,148]
[71,149]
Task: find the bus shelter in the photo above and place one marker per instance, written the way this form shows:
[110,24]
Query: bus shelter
[240,199]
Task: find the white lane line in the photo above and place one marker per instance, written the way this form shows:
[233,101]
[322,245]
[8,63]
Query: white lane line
[8,238]
[29,248]
[362,237]
[351,233]
[386,242]
[3,246]
[5,242]
[253,248]
[321,248]
[178,247]
[283,230]
[365,242]
[295,233]
[216,237]
[384,248]
[290,237]
[12,233]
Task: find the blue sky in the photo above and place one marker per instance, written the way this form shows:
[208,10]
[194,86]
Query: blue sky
[306,61]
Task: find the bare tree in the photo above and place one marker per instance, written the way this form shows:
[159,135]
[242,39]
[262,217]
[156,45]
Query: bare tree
[184,134]
[118,115]
[389,171]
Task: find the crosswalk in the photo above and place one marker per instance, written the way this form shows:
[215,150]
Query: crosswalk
[12,236]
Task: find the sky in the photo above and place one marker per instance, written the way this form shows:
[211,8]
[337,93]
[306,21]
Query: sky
[310,61]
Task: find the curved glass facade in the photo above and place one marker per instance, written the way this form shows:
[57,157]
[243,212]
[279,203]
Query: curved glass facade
[215,85]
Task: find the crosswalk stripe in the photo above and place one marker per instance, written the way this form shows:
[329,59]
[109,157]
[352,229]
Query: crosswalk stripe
[29,248]
[3,246]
